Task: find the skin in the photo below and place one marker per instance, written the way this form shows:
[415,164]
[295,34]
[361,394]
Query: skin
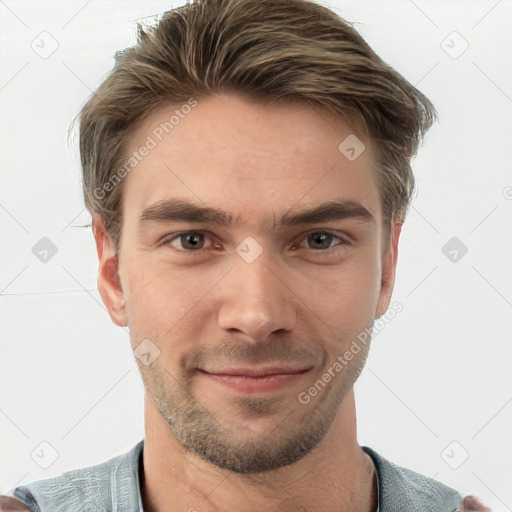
[286,306]
[304,300]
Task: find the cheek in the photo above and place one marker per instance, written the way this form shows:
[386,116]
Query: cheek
[344,299]
[160,297]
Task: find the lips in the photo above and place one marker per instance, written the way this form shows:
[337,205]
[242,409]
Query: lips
[255,379]
[257,372]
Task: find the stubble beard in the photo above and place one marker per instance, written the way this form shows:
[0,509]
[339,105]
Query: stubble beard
[293,429]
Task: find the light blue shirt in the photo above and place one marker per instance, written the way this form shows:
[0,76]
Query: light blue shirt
[114,486]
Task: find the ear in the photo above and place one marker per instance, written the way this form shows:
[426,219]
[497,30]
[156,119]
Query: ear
[109,284]
[389,261]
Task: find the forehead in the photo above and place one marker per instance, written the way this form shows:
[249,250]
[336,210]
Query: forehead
[233,153]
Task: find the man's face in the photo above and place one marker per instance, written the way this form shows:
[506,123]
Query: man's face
[256,294]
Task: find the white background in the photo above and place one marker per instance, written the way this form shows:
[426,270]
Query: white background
[438,373]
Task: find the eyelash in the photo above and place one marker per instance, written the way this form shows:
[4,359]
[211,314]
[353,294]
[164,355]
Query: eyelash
[166,241]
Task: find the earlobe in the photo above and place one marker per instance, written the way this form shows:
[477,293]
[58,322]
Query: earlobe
[109,283]
[389,262]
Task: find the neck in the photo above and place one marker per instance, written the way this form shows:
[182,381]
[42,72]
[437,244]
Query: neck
[337,475]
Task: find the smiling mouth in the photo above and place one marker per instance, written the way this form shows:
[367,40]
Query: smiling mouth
[255,380]
[255,372]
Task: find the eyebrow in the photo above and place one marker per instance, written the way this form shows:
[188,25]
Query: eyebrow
[179,209]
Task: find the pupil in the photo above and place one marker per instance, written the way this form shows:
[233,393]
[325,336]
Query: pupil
[189,239]
[318,237]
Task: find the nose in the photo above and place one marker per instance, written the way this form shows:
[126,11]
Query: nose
[255,300]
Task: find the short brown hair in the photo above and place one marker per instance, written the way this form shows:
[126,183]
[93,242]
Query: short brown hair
[269,50]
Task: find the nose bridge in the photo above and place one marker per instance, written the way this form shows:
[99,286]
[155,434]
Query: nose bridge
[255,300]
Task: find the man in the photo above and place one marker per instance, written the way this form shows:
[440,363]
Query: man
[247,169]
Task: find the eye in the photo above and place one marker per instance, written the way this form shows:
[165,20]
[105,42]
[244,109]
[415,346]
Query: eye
[192,242]
[322,240]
